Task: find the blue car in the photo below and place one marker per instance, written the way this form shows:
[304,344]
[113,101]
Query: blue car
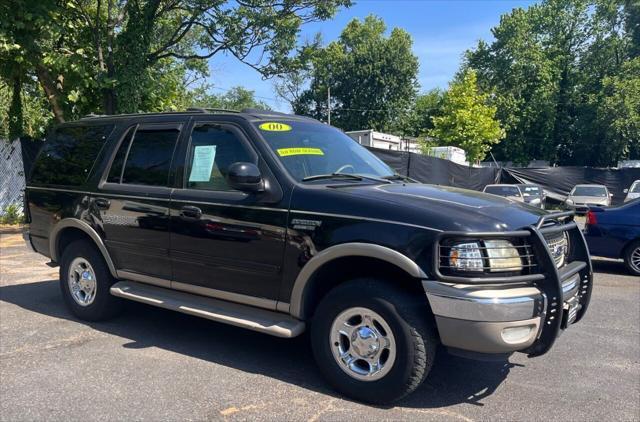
[615,233]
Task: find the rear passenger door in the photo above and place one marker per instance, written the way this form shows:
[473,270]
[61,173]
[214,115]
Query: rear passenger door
[132,202]
[224,243]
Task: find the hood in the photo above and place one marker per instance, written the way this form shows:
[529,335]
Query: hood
[448,208]
[589,199]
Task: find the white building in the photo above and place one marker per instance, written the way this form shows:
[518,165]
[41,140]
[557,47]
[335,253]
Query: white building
[455,154]
[371,138]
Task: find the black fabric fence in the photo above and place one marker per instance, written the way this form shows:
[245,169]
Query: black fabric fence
[556,181]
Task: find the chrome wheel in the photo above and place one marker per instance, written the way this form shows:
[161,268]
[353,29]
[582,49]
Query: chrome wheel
[635,259]
[362,344]
[82,282]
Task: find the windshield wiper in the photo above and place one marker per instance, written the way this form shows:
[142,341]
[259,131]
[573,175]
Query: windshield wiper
[351,176]
[399,177]
[332,176]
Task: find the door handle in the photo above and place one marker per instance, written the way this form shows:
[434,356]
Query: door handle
[102,203]
[190,211]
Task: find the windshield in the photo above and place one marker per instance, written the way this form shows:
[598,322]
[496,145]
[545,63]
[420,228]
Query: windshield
[635,188]
[598,191]
[531,191]
[503,190]
[309,149]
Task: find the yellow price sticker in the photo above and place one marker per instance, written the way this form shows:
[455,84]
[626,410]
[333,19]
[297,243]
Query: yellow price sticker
[275,127]
[286,152]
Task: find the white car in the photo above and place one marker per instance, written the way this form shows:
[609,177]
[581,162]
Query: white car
[507,191]
[633,192]
[583,196]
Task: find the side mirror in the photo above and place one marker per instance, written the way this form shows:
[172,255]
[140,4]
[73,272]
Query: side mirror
[625,191]
[245,177]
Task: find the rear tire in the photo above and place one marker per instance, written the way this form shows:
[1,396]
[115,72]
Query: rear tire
[373,342]
[632,257]
[85,281]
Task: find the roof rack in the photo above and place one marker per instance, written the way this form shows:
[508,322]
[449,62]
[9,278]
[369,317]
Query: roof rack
[211,110]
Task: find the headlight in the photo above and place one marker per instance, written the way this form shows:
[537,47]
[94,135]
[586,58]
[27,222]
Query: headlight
[503,256]
[466,257]
[500,254]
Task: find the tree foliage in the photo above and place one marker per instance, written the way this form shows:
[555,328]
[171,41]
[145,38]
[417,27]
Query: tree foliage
[551,68]
[372,77]
[467,120]
[136,55]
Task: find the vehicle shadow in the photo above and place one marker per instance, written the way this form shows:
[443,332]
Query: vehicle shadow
[453,380]
[609,266]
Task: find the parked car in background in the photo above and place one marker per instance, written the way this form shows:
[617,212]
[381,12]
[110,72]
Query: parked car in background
[633,192]
[506,191]
[615,233]
[533,195]
[582,197]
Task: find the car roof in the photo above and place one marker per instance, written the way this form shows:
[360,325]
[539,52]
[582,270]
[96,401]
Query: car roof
[502,184]
[251,114]
[590,186]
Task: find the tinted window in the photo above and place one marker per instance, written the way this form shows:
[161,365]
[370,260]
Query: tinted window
[116,166]
[68,155]
[503,190]
[530,191]
[598,191]
[148,159]
[212,150]
[635,188]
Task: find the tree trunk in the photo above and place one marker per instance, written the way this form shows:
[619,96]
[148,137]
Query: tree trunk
[51,91]
[16,117]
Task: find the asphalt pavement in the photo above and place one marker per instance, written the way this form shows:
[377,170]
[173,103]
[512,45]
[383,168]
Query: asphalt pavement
[152,364]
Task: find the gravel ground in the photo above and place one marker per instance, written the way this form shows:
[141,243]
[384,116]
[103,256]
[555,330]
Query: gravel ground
[151,364]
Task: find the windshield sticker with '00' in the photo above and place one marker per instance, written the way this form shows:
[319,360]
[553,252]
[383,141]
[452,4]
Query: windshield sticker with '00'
[285,152]
[275,127]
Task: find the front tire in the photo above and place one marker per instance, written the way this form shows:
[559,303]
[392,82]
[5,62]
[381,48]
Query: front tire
[632,258]
[373,341]
[85,281]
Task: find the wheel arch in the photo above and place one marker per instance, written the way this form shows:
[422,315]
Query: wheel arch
[374,259]
[71,228]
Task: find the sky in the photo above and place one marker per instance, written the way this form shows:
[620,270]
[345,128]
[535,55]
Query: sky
[441,30]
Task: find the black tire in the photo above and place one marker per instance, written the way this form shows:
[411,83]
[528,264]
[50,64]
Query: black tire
[633,248]
[104,305]
[408,317]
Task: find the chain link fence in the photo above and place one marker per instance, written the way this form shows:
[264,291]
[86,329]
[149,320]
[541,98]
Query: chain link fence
[11,175]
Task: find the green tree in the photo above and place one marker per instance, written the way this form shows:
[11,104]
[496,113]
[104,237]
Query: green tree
[121,55]
[546,68]
[372,77]
[467,120]
[419,120]
[618,111]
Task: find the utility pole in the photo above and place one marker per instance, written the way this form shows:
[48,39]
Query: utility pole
[328,105]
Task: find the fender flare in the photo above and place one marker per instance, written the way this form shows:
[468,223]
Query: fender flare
[345,250]
[89,231]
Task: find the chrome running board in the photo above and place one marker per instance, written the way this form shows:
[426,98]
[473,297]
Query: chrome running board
[264,321]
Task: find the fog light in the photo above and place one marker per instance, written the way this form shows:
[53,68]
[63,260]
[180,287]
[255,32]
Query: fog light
[517,334]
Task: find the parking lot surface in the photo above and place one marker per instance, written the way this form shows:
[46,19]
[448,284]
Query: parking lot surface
[151,364]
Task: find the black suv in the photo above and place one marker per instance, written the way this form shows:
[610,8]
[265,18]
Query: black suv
[279,223]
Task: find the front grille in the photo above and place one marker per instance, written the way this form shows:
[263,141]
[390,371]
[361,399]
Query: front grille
[559,247]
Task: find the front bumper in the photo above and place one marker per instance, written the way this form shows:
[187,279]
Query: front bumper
[524,313]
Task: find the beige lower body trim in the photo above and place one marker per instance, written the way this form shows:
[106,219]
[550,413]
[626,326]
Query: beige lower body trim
[258,302]
[264,321]
[147,279]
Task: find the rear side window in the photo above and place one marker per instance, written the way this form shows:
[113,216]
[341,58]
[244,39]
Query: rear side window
[68,155]
[144,157]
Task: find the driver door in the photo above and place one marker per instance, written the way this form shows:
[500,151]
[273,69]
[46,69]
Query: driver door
[224,243]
